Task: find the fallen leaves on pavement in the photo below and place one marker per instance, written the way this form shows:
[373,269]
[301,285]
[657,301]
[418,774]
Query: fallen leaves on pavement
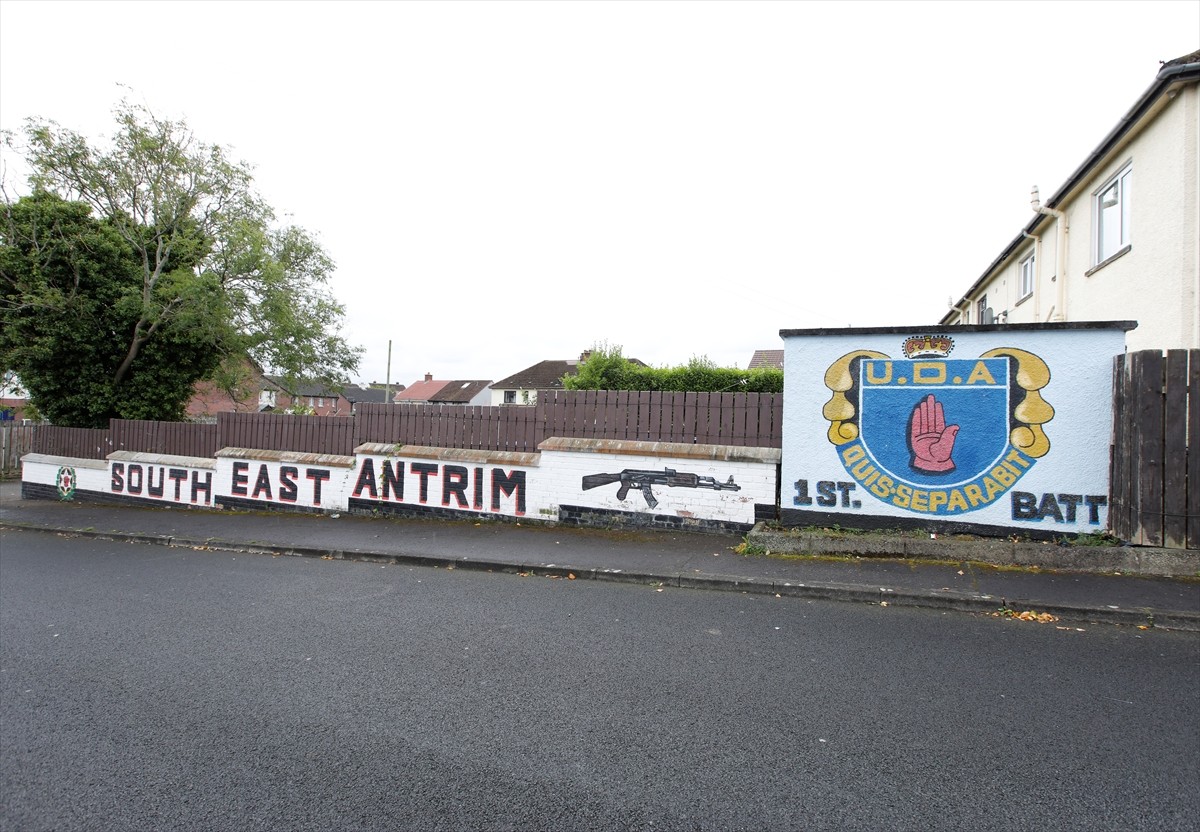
[1027,615]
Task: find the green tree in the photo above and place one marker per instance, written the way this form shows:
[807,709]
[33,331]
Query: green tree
[135,270]
[605,368]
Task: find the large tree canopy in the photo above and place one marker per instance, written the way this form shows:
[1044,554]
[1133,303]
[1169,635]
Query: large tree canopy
[133,271]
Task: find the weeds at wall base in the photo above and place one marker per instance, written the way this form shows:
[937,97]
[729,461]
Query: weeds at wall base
[749,550]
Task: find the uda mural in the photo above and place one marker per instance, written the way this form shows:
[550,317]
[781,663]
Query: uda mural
[970,425]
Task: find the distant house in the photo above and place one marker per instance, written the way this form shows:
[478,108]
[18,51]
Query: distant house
[464,392]
[12,410]
[313,398]
[1119,239]
[766,359]
[357,394]
[208,399]
[267,394]
[420,391]
[434,391]
[523,387]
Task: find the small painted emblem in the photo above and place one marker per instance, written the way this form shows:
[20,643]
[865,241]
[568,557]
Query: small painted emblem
[936,435]
[65,482]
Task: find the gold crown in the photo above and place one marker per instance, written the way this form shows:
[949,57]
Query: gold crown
[922,345]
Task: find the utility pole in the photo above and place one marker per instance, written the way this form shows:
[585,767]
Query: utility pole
[387,383]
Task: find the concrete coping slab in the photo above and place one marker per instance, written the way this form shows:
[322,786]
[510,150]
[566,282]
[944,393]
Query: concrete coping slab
[519,458]
[162,459]
[260,455]
[66,461]
[682,450]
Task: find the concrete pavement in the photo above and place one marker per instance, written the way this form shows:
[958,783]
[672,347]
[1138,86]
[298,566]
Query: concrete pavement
[701,561]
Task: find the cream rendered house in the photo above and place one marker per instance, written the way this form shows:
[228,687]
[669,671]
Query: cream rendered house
[1120,240]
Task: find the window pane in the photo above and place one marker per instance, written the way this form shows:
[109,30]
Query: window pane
[1109,231]
[1112,217]
[1126,200]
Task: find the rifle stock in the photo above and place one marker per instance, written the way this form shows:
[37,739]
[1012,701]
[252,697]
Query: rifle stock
[596,480]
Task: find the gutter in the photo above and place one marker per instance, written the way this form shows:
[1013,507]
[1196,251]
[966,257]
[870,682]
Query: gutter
[1167,78]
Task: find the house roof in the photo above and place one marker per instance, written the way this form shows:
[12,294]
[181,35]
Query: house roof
[355,394]
[304,388]
[766,358]
[1173,74]
[420,391]
[459,391]
[545,375]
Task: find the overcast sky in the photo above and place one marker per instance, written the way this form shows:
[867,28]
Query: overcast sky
[501,183]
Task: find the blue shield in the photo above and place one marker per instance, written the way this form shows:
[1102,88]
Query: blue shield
[935,422]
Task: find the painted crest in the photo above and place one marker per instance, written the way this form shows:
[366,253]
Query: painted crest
[936,435]
[65,482]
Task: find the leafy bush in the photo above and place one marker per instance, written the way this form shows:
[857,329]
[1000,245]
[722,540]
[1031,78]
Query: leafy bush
[607,369]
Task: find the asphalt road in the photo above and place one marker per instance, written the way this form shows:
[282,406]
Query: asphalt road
[150,688]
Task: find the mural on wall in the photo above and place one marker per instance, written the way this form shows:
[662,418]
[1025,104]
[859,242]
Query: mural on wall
[65,482]
[279,483]
[309,482]
[933,434]
[169,483]
[641,480]
[967,427]
[477,488]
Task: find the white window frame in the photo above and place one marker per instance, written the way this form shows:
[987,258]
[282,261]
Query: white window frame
[1028,274]
[510,396]
[980,308]
[1105,226]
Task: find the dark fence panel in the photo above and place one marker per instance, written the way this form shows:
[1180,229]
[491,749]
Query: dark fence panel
[280,432]
[15,442]
[476,427]
[745,419]
[83,443]
[1155,493]
[175,438]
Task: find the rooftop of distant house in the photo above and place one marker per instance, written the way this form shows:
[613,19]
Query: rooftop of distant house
[546,375]
[766,359]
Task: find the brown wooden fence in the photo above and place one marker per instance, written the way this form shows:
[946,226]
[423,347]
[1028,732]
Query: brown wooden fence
[281,432]
[1155,497]
[82,443]
[15,442]
[745,419]
[485,428]
[176,438]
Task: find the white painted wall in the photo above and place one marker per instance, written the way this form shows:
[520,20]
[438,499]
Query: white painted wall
[516,485]
[522,396]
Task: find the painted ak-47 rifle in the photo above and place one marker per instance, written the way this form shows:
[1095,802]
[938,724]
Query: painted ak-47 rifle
[642,480]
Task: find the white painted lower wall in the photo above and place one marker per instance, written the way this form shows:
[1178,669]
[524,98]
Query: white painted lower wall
[568,480]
